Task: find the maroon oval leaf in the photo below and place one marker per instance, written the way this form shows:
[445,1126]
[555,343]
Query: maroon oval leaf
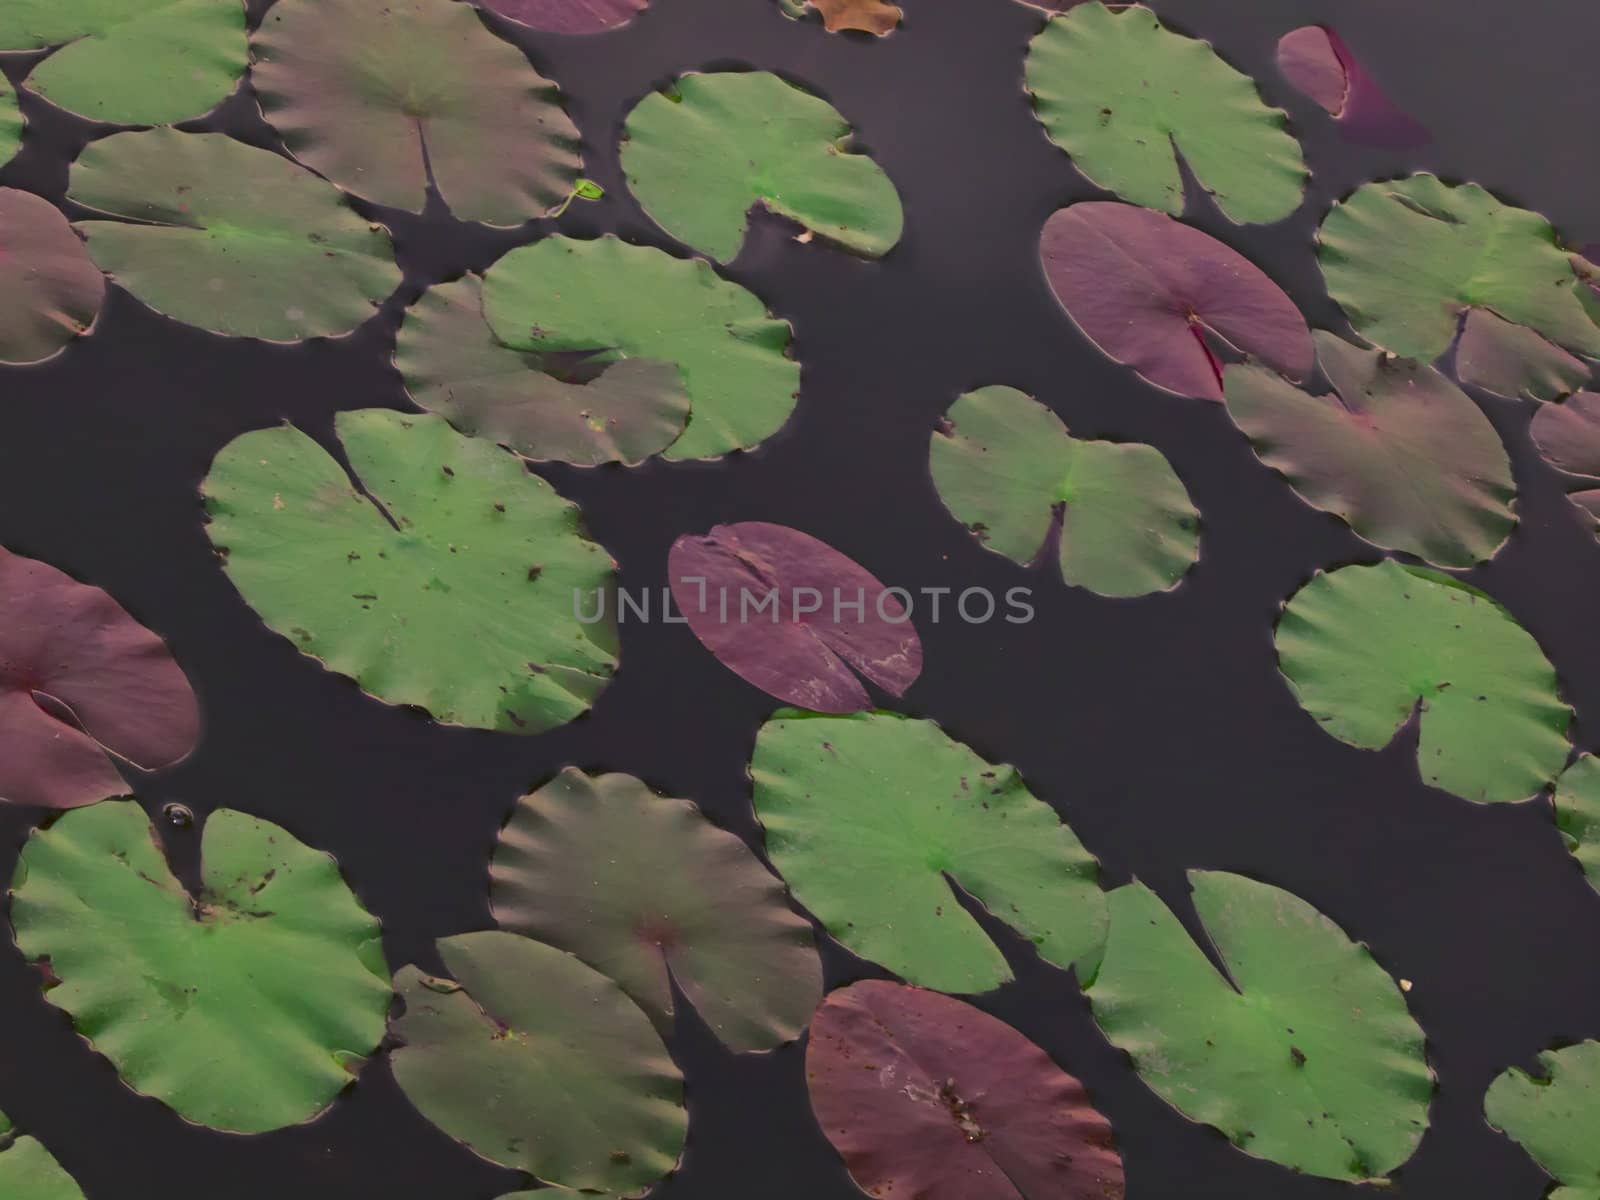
[779,609]
[80,678]
[1147,289]
[1316,60]
[50,291]
[568,16]
[1512,360]
[927,1098]
[1568,436]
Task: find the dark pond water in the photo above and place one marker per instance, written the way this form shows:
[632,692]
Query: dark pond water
[1159,727]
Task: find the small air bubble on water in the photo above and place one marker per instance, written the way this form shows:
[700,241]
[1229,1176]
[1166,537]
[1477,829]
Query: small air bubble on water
[179,816]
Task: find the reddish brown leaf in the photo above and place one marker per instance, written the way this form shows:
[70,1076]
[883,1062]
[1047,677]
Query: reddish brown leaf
[1147,289]
[927,1098]
[864,16]
[778,608]
[1316,60]
[80,678]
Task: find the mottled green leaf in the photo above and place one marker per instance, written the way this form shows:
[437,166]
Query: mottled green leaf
[876,819]
[246,1006]
[381,98]
[455,366]
[1554,1117]
[11,122]
[620,301]
[230,238]
[131,62]
[1125,96]
[1303,1053]
[50,292]
[537,1062]
[459,595]
[1396,450]
[1367,648]
[1577,802]
[701,155]
[1004,465]
[30,1172]
[1406,258]
[647,891]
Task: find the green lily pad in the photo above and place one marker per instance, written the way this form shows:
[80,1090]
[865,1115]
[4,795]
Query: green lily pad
[1006,467]
[383,98]
[455,366]
[1554,1117]
[1577,801]
[1395,450]
[702,154]
[876,819]
[247,1006]
[1303,1053]
[1125,96]
[458,595]
[1407,258]
[619,301]
[539,1063]
[11,122]
[229,238]
[131,62]
[647,891]
[30,1172]
[1365,648]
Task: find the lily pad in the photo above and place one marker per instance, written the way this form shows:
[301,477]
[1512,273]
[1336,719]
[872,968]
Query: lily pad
[877,17]
[81,679]
[614,301]
[247,1006]
[876,820]
[1006,467]
[230,238]
[1407,259]
[702,154]
[1514,361]
[455,366]
[445,576]
[1303,1053]
[1396,450]
[1366,649]
[1125,96]
[50,292]
[824,615]
[1577,802]
[1553,1117]
[30,1172]
[385,98]
[131,62]
[538,1063]
[11,122]
[926,1096]
[647,891]
[1148,290]
[568,16]
[1316,60]
[1568,436]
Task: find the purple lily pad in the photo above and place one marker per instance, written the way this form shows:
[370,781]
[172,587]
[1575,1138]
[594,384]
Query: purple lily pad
[80,679]
[779,609]
[928,1098]
[1512,360]
[569,16]
[1568,435]
[1316,60]
[50,291]
[1148,289]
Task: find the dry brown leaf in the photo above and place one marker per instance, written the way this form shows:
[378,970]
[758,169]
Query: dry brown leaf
[867,16]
